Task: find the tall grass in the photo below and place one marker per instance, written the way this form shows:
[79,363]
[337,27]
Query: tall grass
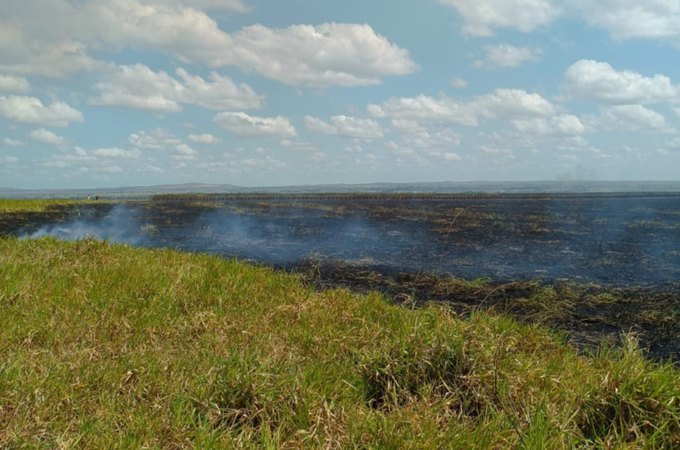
[33,205]
[106,346]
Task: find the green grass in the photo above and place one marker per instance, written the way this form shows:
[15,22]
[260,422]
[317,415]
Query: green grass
[106,346]
[33,205]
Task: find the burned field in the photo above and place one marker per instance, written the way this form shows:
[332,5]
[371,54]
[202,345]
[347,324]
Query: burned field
[592,266]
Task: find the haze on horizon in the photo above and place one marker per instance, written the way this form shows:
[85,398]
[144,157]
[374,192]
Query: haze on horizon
[103,93]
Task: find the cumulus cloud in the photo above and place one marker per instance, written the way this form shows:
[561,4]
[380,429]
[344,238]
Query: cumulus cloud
[26,51]
[183,152]
[31,110]
[626,19]
[205,138]
[512,103]
[56,36]
[459,83]
[505,56]
[46,137]
[11,142]
[499,104]
[233,5]
[632,118]
[117,153]
[481,17]
[9,83]
[425,108]
[156,139]
[431,140]
[601,82]
[243,125]
[346,126]
[324,55]
[138,86]
[559,125]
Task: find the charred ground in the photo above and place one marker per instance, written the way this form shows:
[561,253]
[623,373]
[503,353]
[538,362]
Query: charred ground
[592,266]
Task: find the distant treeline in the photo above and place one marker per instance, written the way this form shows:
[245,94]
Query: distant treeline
[405,196]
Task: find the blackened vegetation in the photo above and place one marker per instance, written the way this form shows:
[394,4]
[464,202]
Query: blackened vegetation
[588,313]
[593,266]
[29,221]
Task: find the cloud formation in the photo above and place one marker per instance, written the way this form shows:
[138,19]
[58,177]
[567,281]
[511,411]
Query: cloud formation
[58,37]
[346,126]
[506,56]
[324,55]
[31,110]
[243,125]
[138,86]
[205,138]
[601,82]
[44,136]
[12,84]
[482,17]
[627,19]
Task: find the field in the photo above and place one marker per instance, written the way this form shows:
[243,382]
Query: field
[592,266]
[108,346]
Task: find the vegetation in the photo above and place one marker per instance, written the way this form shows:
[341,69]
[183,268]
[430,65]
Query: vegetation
[105,346]
[33,205]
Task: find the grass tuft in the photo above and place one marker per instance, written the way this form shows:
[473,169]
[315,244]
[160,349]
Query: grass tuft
[107,346]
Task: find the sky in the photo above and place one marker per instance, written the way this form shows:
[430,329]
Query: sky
[105,93]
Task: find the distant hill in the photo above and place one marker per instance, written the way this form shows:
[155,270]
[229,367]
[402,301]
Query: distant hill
[437,187]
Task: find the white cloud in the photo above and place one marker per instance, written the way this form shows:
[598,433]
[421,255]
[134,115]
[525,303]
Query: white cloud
[46,137]
[673,144]
[560,125]
[243,125]
[31,110]
[432,140]
[9,83]
[481,17]
[499,104]
[599,81]
[632,118]
[324,55]
[205,138]
[153,140]
[56,36]
[459,83]
[11,142]
[505,56]
[117,153]
[24,51]
[233,5]
[138,86]
[624,19]
[513,103]
[183,152]
[296,144]
[346,126]
[184,32]
[425,108]
[218,93]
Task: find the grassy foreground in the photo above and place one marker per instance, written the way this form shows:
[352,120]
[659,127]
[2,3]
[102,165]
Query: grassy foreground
[107,346]
[34,205]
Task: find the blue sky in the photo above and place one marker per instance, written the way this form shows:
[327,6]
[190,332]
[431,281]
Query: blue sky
[97,93]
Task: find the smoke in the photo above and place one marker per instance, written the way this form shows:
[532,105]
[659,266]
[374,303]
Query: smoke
[621,241]
[119,225]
